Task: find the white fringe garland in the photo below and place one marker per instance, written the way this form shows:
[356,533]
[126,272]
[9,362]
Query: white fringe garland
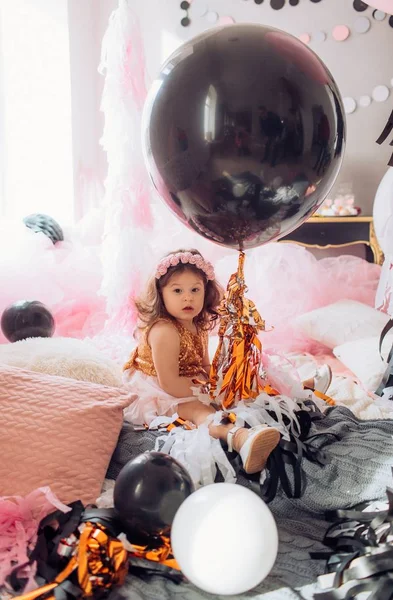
[128,219]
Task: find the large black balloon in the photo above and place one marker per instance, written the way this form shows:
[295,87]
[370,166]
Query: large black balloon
[243,134]
[26,319]
[148,492]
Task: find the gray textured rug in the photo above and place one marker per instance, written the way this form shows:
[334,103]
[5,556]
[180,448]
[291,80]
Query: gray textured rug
[359,466]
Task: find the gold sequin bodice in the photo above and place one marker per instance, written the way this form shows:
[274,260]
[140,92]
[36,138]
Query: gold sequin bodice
[192,346]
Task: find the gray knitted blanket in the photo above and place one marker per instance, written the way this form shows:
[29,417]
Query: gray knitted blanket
[360,458]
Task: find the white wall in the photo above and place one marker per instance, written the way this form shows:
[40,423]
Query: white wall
[358,64]
[86,125]
[36,109]
[54,89]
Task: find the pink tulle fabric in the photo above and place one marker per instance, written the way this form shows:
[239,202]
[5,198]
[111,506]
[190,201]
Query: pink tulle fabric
[66,277]
[286,280]
[384,296]
[19,520]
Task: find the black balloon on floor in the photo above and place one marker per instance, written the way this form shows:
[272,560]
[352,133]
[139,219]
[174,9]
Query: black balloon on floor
[26,319]
[148,493]
[243,134]
[45,224]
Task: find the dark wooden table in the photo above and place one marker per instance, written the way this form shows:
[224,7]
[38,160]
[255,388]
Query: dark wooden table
[338,232]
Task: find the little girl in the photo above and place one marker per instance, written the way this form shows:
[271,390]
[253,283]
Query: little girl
[175,313]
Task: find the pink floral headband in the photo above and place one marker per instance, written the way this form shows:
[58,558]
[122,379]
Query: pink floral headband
[185,258]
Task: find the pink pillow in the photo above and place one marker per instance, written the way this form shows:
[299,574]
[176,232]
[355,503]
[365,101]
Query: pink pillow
[56,432]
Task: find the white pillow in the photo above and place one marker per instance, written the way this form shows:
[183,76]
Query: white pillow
[363,359]
[341,322]
[64,357]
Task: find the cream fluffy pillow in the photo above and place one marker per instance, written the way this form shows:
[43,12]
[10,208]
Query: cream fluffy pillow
[341,322]
[363,359]
[64,357]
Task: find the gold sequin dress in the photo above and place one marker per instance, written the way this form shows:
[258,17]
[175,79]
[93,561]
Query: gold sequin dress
[141,377]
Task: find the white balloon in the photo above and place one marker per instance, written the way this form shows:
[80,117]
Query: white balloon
[225,539]
[383,213]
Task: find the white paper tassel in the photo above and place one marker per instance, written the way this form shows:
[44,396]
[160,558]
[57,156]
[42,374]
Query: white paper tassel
[128,220]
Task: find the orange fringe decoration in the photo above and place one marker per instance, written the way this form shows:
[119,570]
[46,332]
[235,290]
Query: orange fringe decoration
[99,563]
[234,374]
[235,367]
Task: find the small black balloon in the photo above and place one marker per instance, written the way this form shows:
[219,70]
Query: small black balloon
[26,319]
[45,224]
[148,493]
[244,134]
[107,517]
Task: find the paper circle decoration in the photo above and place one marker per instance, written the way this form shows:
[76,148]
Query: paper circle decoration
[349,105]
[320,36]
[379,15]
[340,33]
[226,20]
[380,93]
[362,25]
[384,5]
[198,8]
[364,101]
[360,6]
[277,4]
[212,16]
[305,38]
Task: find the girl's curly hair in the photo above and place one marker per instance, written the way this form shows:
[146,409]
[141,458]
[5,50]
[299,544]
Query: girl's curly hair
[151,307]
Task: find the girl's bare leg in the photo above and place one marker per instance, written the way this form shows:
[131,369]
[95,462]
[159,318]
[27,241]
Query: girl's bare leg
[197,413]
[254,445]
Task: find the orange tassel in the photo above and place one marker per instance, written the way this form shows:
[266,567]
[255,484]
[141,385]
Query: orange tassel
[235,367]
[100,562]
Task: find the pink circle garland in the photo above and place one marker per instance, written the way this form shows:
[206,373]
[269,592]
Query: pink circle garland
[226,20]
[340,33]
[305,38]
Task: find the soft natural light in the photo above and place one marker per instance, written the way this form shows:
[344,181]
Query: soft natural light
[37,166]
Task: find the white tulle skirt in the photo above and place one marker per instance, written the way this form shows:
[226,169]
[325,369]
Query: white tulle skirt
[201,454]
[152,401]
